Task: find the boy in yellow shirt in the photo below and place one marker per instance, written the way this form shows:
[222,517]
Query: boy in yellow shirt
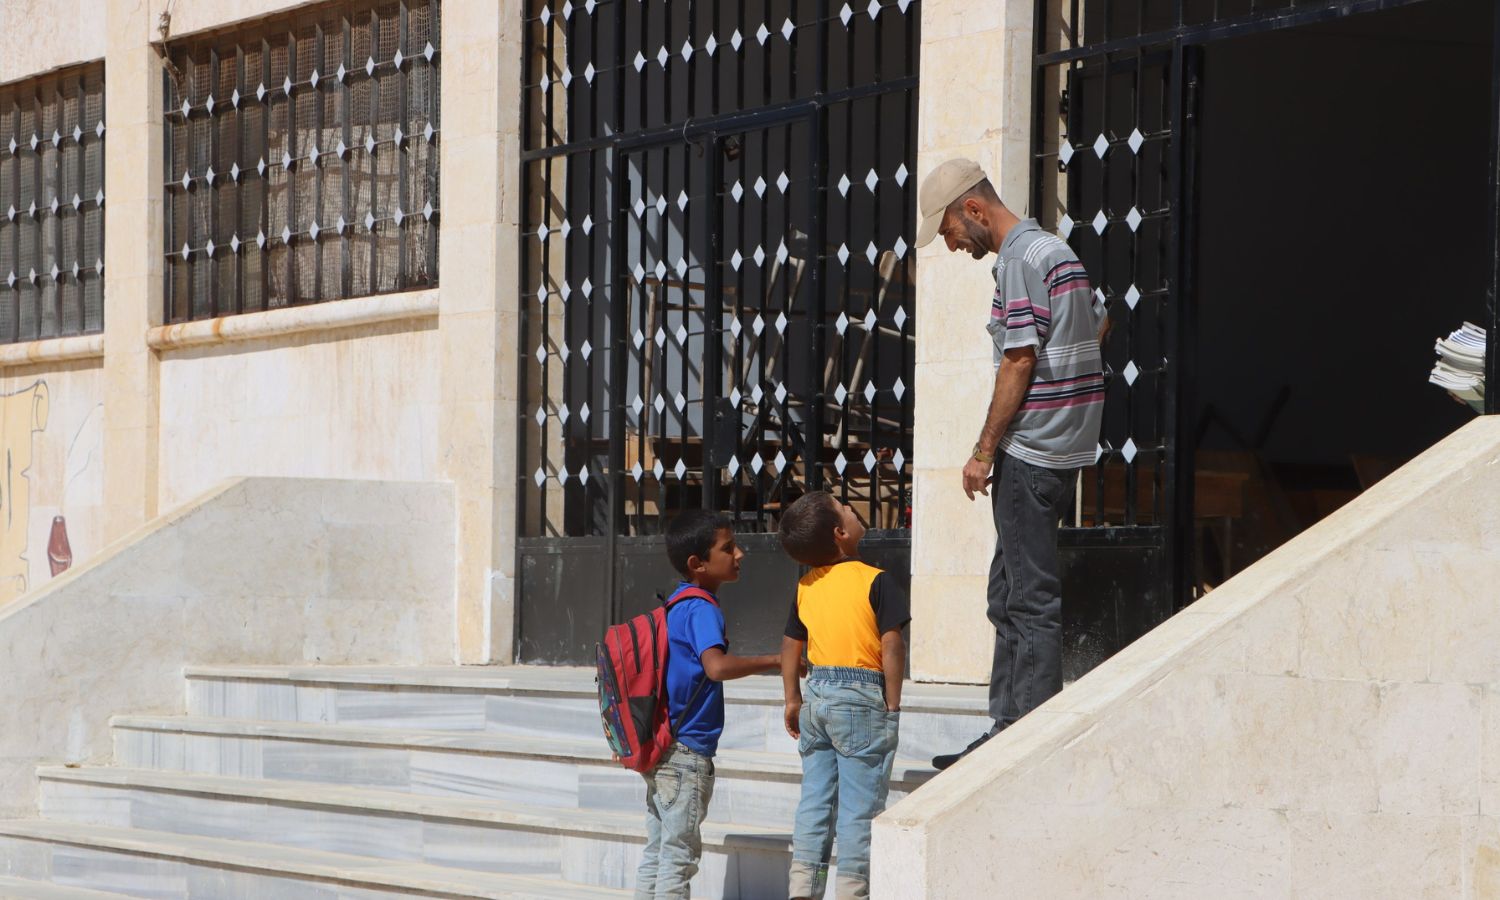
[848,615]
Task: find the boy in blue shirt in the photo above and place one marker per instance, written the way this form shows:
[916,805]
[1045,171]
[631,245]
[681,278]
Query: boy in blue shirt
[701,547]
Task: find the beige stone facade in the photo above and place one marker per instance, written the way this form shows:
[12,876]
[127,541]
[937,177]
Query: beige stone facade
[405,388]
[969,50]
[426,389]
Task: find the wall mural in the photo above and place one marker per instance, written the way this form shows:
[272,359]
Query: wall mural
[22,414]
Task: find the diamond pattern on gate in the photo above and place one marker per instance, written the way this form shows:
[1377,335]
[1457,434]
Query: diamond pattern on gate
[750,359]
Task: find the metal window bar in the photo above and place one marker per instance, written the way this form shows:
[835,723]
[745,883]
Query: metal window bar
[51,205]
[301,159]
[658,102]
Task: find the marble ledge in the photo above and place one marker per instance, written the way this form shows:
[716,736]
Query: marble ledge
[319,317]
[64,349]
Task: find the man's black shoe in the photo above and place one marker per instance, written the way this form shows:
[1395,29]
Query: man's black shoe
[947,759]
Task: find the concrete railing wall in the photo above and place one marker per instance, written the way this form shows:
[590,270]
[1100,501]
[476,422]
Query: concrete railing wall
[1325,724]
[263,570]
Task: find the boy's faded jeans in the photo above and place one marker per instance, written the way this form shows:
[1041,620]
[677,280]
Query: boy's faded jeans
[677,795]
[848,744]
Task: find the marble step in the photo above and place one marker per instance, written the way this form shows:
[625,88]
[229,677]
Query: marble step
[139,863]
[19,888]
[584,846]
[750,788]
[537,701]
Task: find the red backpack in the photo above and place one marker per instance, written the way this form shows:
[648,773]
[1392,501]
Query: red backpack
[633,685]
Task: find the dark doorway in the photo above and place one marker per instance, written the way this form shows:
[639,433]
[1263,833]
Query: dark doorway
[1341,230]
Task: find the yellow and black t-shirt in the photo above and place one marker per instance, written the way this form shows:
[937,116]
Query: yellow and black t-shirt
[842,610]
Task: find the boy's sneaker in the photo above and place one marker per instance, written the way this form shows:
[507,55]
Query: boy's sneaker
[947,759]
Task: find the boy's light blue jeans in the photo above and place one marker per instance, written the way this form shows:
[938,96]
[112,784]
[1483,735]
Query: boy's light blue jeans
[677,794]
[848,744]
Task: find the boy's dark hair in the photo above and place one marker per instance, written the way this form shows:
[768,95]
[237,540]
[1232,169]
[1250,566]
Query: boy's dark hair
[806,529]
[692,533]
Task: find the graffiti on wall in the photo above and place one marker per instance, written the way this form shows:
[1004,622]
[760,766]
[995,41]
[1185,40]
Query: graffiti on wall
[82,450]
[22,415]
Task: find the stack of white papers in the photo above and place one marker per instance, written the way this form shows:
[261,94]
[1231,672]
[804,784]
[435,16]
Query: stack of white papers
[1460,365]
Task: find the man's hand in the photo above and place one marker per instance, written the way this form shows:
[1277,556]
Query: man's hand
[1012,381]
[976,477]
[793,718]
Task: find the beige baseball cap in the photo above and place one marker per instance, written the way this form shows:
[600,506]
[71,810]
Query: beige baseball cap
[940,188]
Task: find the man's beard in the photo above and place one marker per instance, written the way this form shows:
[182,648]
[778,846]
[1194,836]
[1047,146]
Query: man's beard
[978,237]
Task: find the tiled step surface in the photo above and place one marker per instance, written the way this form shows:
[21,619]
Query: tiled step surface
[583,846]
[397,782]
[750,788]
[26,889]
[541,702]
[141,863]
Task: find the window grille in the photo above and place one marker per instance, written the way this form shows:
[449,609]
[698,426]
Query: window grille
[716,282]
[52,206]
[302,160]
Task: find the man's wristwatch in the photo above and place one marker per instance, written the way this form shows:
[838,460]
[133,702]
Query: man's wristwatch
[983,457]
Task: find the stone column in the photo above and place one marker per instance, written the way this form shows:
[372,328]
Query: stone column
[133,264]
[975,102]
[481,101]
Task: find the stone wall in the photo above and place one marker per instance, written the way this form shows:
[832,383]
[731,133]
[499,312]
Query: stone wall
[41,35]
[975,102]
[272,571]
[423,397]
[1325,724]
[52,482]
[359,403]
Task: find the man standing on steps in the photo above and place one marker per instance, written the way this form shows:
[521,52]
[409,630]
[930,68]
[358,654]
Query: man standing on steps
[1041,428]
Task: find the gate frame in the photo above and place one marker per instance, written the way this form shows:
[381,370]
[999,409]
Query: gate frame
[616,579]
[1186,42]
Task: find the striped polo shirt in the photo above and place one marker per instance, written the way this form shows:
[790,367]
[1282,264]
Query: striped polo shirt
[1043,299]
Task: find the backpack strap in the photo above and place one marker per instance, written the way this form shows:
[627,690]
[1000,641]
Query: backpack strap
[689,593]
[677,725]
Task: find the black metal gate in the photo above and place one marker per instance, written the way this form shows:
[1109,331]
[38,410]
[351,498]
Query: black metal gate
[1115,104]
[716,292]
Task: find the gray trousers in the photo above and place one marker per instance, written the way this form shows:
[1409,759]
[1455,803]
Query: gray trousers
[1025,589]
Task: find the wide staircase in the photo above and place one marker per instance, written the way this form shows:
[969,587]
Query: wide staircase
[333,782]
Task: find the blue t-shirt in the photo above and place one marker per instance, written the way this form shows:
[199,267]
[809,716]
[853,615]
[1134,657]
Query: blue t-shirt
[693,626]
